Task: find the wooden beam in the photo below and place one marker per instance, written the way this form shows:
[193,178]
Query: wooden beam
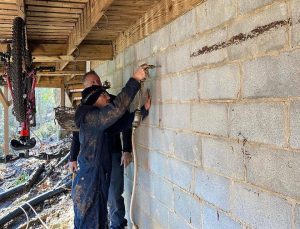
[75,95]
[55,4]
[50,83]
[60,73]
[3,99]
[47,49]
[69,79]
[44,53]
[20,7]
[75,87]
[52,15]
[53,9]
[50,19]
[155,18]
[92,13]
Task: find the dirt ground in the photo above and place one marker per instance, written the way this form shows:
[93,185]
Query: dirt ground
[56,212]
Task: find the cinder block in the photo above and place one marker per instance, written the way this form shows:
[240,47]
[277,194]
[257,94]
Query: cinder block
[275,170]
[295,124]
[145,199]
[180,173]
[142,157]
[188,207]
[264,40]
[143,135]
[141,219]
[246,6]
[159,213]
[155,86]
[118,79]
[158,163]
[219,83]
[260,209]
[120,60]
[102,69]
[153,118]
[160,40]
[183,27]
[212,188]
[127,73]
[111,67]
[209,118]
[144,180]
[224,157]
[213,13]
[162,191]
[260,122]
[272,76]
[162,140]
[188,147]
[142,49]
[295,7]
[205,50]
[176,221]
[297,217]
[185,87]
[178,59]
[160,59]
[215,219]
[166,89]
[175,116]
[129,55]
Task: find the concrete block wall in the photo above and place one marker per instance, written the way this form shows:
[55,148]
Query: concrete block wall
[221,146]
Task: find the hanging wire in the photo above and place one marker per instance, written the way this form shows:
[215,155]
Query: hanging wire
[44,224]
[26,216]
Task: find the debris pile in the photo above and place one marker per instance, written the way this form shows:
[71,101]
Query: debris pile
[35,191]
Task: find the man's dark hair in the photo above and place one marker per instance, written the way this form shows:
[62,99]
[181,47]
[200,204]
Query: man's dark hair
[92,72]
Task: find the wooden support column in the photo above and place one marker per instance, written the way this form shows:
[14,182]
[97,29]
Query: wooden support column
[5,103]
[62,94]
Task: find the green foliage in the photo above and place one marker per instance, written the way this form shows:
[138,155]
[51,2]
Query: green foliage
[23,177]
[45,103]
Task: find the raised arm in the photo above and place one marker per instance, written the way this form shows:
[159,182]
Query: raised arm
[106,116]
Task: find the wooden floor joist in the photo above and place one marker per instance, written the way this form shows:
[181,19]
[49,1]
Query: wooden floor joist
[155,18]
[92,13]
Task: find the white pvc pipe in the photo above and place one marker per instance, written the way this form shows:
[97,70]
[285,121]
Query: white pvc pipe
[134,225]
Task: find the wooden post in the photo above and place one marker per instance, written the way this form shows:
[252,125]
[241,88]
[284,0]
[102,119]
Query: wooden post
[62,94]
[6,126]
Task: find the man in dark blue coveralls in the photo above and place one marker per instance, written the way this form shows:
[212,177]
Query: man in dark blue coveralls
[116,188]
[98,120]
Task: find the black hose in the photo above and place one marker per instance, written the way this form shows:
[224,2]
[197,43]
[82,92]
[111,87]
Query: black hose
[34,201]
[25,186]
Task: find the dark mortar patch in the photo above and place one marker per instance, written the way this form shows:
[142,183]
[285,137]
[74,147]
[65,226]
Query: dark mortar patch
[242,37]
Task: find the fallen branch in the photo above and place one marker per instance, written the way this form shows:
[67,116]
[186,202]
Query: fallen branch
[25,186]
[36,200]
[61,162]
